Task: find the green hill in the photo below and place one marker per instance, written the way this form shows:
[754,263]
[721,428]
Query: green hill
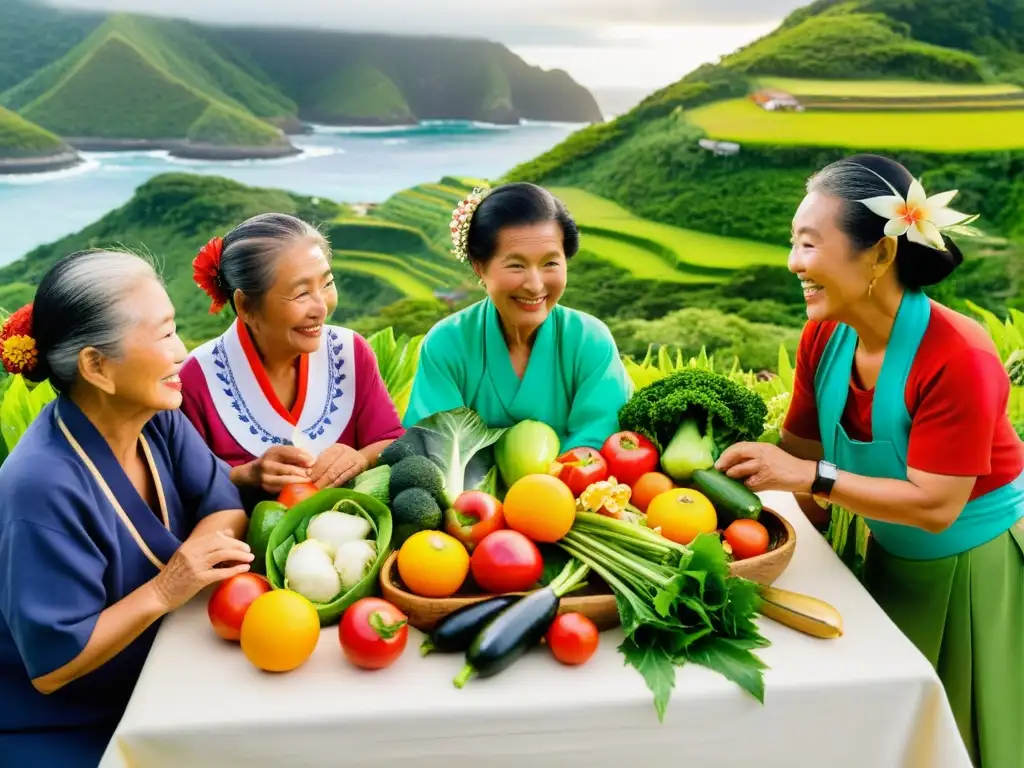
[358,94]
[136,78]
[20,138]
[438,78]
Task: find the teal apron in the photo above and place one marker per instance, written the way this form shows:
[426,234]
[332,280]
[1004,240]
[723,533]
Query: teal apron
[958,595]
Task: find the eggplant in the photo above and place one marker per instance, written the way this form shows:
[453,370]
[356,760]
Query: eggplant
[509,635]
[457,630]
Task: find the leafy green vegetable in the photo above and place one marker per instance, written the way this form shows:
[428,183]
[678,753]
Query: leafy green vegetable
[676,604]
[693,415]
[462,445]
[22,403]
[397,359]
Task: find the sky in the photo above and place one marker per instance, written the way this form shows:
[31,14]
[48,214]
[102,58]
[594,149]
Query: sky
[641,44]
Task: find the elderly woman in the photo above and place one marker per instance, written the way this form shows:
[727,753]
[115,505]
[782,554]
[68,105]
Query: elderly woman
[899,416]
[518,354]
[113,512]
[282,396]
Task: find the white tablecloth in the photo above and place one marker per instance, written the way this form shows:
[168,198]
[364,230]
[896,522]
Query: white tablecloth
[866,699]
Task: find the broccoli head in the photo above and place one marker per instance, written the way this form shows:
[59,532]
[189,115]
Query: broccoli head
[692,416]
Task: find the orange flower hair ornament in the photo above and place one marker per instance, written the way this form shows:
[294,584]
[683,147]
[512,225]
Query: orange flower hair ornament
[462,216]
[17,345]
[206,273]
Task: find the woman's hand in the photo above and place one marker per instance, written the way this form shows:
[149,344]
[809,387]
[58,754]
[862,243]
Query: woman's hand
[337,465]
[281,465]
[195,566]
[766,467]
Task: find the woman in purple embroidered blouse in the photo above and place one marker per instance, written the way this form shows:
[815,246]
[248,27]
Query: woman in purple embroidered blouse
[282,396]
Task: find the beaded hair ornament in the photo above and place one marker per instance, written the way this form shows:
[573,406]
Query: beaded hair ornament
[462,215]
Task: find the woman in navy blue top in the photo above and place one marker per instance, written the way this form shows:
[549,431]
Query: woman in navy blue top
[113,512]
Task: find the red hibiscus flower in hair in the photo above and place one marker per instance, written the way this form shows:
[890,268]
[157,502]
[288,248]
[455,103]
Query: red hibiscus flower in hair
[17,345]
[206,273]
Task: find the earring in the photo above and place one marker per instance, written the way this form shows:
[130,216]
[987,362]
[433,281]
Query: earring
[871,286]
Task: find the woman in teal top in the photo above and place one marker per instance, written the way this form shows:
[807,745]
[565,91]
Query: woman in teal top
[518,354]
[898,419]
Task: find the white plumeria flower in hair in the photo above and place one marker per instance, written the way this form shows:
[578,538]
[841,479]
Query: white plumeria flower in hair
[919,217]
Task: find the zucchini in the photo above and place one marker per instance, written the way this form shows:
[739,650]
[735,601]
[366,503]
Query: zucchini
[518,627]
[730,498]
[509,635]
[457,630]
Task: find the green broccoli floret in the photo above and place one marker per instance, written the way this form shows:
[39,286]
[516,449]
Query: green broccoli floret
[409,444]
[413,510]
[416,472]
[692,416]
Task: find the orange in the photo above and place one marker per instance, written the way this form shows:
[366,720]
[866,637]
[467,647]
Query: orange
[682,514]
[280,631]
[541,507]
[433,564]
[649,485]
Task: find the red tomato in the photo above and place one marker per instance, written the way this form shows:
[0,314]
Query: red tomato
[506,561]
[572,638]
[748,538]
[296,492]
[373,633]
[648,487]
[473,516]
[231,599]
[581,468]
[629,455]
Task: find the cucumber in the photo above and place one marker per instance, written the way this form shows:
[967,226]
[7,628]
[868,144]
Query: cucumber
[731,498]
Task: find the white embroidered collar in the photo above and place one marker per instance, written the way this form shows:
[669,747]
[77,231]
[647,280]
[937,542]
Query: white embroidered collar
[249,416]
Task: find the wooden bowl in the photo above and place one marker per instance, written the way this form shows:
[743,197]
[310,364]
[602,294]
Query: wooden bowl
[596,601]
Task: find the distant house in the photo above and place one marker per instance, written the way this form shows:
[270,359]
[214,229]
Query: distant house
[775,100]
[720,148]
[451,298]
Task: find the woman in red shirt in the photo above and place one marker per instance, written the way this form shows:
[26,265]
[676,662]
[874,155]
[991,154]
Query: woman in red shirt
[898,418]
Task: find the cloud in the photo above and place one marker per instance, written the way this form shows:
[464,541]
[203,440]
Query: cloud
[515,22]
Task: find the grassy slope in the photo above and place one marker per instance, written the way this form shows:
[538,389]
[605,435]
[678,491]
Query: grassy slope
[355,94]
[33,34]
[852,45]
[20,138]
[222,125]
[891,130]
[141,78]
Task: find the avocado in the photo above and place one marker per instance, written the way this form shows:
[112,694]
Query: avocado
[413,510]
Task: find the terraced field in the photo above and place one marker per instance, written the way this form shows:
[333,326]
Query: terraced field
[880,88]
[742,121]
[660,251]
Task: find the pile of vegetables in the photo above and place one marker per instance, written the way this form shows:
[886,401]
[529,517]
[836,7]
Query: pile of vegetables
[661,556]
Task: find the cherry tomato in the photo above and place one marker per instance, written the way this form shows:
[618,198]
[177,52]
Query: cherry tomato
[231,599]
[629,455]
[748,538]
[296,492]
[373,633]
[506,561]
[572,638]
[581,468]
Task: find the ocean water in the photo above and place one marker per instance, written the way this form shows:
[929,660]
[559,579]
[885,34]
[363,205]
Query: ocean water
[345,164]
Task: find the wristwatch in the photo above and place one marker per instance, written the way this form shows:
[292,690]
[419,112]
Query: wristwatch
[824,478]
